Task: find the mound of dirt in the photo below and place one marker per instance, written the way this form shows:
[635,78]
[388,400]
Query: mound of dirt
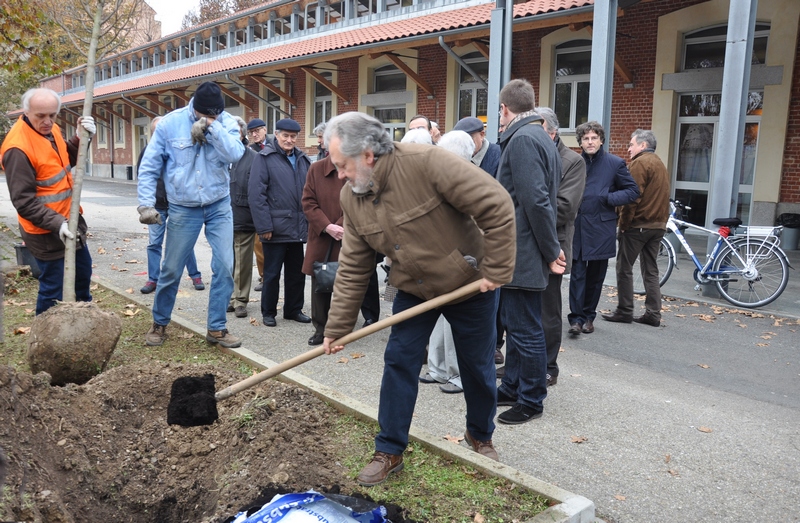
[103,451]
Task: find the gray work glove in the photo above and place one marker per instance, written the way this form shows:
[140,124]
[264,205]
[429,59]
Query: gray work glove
[64,233]
[149,215]
[199,131]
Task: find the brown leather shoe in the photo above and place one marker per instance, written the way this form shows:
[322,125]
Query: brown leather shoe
[575,328]
[156,335]
[484,448]
[224,338]
[379,468]
[618,317]
[588,327]
[648,319]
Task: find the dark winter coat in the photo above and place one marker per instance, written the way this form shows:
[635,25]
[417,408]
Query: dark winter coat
[570,192]
[275,191]
[240,205]
[322,208]
[608,185]
[161,190]
[491,159]
[530,170]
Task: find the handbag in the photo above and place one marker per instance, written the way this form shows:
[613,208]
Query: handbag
[325,273]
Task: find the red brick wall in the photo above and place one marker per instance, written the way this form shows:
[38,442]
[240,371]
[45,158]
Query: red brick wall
[432,69]
[790,174]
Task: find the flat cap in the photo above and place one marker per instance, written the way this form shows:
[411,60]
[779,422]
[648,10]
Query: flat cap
[255,123]
[469,125]
[287,124]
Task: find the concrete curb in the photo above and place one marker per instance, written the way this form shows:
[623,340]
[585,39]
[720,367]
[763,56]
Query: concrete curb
[571,508]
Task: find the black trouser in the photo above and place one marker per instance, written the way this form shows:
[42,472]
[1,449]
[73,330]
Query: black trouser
[290,257]
[552,321]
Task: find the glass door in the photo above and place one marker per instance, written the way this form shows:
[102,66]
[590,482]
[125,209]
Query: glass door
[697,131]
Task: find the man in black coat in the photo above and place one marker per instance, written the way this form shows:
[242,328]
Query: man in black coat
[530,170]
[275,191]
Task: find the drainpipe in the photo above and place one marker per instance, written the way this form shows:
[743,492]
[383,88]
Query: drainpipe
[462,63]
[234,82]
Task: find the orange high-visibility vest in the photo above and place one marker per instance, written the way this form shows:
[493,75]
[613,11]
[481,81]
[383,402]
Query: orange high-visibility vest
[53,173]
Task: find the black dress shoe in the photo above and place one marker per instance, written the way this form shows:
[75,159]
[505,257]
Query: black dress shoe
[316,339]
[588,327]
[299,317]
[648,319]
[500,372]
[367,323]
[269,321]
[575,328]
[519,414]
[551,380]
[230,308]
[618,317]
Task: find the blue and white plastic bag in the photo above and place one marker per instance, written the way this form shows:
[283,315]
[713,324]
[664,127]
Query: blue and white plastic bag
[309,507]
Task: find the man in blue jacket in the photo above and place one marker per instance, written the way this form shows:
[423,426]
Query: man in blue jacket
[275,193]
[608,185]
[194,146]
[530,170]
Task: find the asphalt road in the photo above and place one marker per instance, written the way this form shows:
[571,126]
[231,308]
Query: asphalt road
[697,420]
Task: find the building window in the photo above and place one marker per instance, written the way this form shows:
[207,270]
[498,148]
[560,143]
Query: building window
[706,48]
[102,130]
[323,100]
[393,120]
[388,78]
[119,126]
[472,95]
[572,72]
[272,113]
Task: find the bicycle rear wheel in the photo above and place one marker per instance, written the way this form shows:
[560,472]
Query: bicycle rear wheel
[756,282]
[666,262]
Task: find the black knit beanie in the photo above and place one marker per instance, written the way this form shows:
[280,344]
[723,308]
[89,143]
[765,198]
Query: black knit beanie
[208,99]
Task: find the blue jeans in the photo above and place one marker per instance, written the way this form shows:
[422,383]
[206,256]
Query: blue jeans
[156,240]
[472,322]
[183,228]
[526,352]
[51,279]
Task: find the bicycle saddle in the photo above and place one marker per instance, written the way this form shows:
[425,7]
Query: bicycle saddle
[728,222]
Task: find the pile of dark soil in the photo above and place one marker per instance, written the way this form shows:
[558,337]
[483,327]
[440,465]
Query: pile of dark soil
[103,451]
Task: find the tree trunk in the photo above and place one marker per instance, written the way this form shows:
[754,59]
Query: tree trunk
[80,168]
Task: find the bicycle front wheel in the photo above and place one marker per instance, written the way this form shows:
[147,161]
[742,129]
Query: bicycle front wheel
[753,273]
[666,262]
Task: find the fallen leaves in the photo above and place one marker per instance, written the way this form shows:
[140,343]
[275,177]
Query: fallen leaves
[22,330]
[479,518]
[707,430]
[710,318]
[454,439]
[343,360]
[357,355]
[129,290]
[101,250]
[619,497]
[703,366]
[579,439]
[132,261]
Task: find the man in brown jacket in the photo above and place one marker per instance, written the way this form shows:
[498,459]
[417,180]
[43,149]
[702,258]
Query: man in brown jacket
[443,228]
[641,226]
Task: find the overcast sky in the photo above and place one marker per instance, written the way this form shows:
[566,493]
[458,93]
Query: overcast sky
[170,13]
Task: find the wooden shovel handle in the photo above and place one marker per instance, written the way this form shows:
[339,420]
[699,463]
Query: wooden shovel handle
[444,299]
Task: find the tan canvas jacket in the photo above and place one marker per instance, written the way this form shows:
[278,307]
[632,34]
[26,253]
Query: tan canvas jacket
[420,213]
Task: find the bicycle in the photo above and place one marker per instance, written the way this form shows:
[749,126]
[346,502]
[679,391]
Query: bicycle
[748,268]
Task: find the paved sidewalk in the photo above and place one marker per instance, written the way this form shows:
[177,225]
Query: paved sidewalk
[662,443]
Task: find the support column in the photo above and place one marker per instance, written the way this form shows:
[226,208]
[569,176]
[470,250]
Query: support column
[601,79]
[499,62]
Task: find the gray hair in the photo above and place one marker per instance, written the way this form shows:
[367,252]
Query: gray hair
[417,136]
[358,132]
[242,126]
[458,143]
[30,93]
[550,119]
[154,122]
[320,129]
[646,136]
